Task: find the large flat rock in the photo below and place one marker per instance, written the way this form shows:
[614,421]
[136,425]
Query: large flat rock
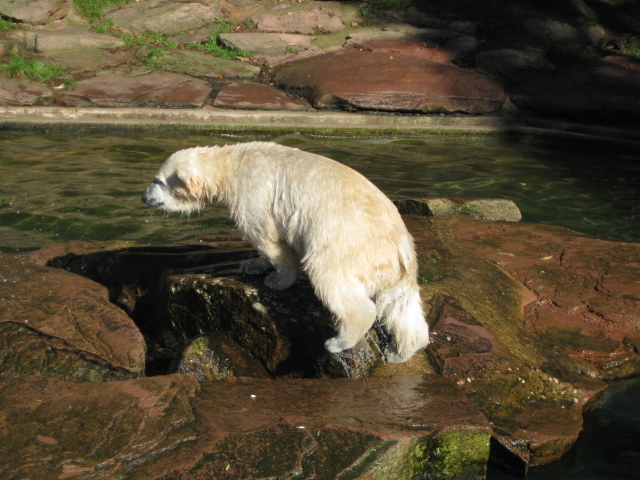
[254,96]
[70,38]
[23,91]
[430,43]
[173,427]
[357,80]
[198,64]
[58,324]
[307,22]
[165,16]
[36,12]
[137,87]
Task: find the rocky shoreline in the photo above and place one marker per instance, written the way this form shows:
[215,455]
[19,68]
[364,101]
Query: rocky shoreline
[320,55]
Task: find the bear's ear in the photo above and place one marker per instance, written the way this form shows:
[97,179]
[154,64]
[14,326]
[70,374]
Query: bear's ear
[192,180]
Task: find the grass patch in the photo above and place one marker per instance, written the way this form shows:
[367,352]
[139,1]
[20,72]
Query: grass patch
[19,66]
[633,49]
[212,47]
[93,9]
[152,57]
[6,24]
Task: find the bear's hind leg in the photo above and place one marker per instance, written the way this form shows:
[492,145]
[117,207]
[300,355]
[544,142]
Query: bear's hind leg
[355,316]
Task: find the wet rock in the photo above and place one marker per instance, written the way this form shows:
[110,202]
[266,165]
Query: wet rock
[253,96]
[197,64]
[22,91]
[580,102]
[70,38]
[586,298]
[355,80]
[172,427]
[479,341]
[618,72]
[136,87]
[430,43]
[58,324]
[215,356]
[507,61]
[164,16]
[35,12]
[522,322]
[485,209]
[268,43]
[308,22]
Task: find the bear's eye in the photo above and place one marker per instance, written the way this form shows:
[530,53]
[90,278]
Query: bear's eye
[158,181]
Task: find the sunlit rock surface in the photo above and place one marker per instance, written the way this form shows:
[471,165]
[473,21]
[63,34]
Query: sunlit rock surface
[173,427]
[526,320]
[62,325]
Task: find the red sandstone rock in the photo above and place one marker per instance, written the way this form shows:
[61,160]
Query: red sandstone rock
[254,96]
[63,325]
[586,291]
[22,91]
[433,44]
[174,427]
[356,80]
[137,87]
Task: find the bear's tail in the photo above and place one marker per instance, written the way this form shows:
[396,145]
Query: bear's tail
[400,309]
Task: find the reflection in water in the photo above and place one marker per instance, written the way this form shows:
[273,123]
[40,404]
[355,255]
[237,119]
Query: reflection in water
[88,187]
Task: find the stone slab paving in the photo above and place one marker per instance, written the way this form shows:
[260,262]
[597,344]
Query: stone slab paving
[22,91]
[70,38]
[140,86]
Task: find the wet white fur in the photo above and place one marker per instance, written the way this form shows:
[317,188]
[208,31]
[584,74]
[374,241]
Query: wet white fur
[305,212]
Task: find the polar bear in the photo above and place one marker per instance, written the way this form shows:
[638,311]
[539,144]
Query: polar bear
[308,213]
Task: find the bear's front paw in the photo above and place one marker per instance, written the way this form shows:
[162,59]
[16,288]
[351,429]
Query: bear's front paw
[255,266]
[336,345]
[278,281]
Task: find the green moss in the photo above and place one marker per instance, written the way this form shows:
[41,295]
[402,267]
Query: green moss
[458,453]
[431,267]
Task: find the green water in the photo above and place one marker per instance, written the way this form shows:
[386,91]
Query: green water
[87,187]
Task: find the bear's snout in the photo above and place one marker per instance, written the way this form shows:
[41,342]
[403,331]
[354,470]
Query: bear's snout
[152,202]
